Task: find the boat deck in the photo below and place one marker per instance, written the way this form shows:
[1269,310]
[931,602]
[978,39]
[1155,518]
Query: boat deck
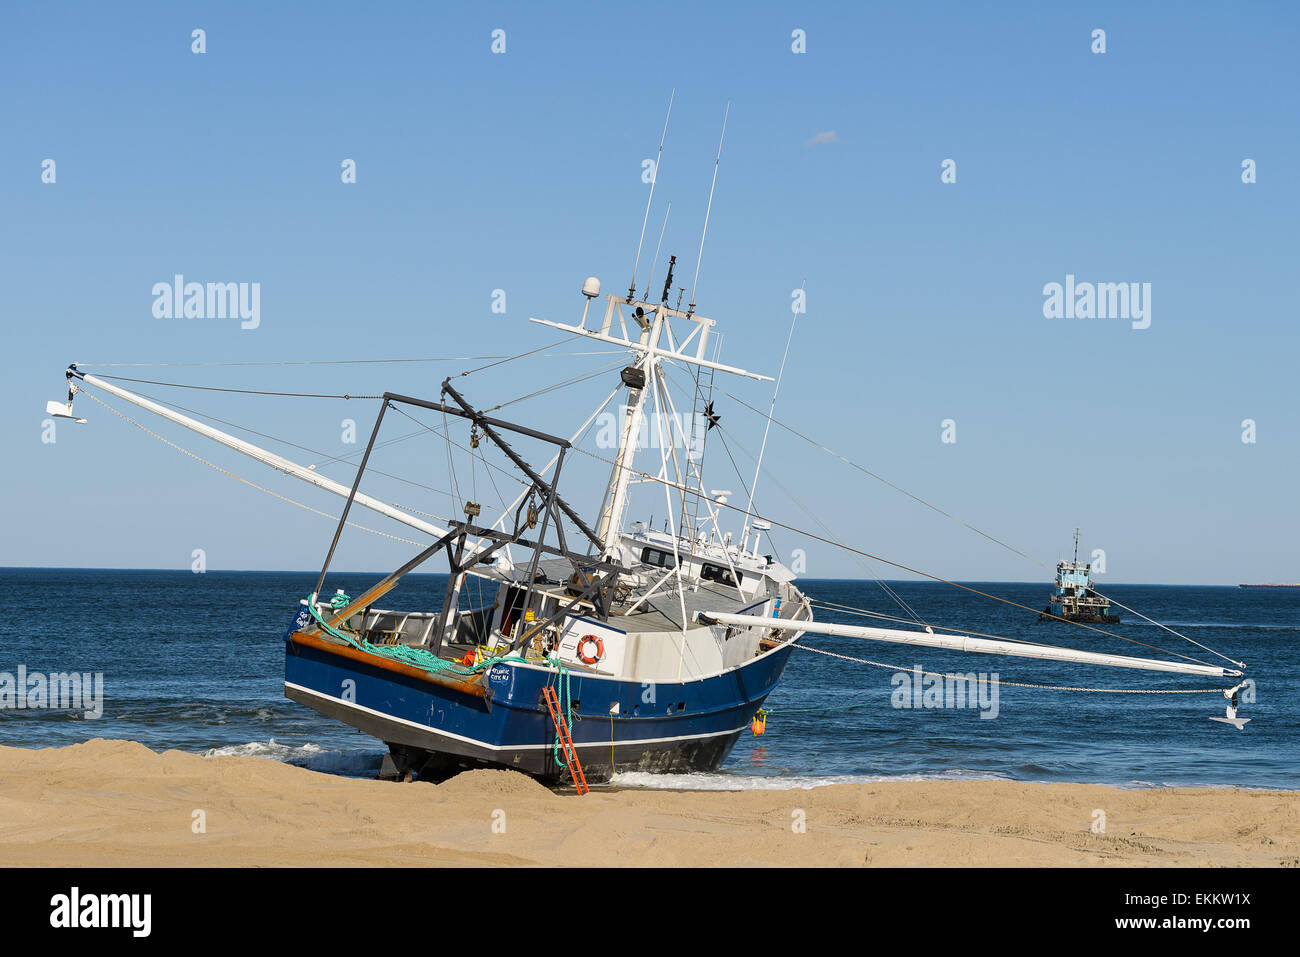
[662,611]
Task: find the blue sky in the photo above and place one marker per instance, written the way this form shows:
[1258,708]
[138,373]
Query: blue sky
[522,172]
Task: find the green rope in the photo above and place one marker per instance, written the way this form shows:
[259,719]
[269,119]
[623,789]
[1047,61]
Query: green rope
[426,660]
[421,658]
[566,706]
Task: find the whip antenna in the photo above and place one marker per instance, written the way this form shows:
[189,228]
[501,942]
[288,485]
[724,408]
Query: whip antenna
[753,486]
[631,289]
[718,159]
[654,263]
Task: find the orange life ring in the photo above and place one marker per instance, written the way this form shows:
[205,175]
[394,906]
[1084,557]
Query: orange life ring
[585,658]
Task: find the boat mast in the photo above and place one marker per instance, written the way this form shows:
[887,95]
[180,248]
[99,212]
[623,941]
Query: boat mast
[651,321]
[636,376]
[648,350]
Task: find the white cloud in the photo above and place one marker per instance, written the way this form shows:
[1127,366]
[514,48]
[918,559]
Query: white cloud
[822,139]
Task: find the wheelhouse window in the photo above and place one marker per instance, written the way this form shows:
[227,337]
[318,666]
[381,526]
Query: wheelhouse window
[658,558]
[720,574]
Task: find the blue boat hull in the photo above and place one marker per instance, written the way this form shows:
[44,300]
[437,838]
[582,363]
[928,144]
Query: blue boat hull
[618,725]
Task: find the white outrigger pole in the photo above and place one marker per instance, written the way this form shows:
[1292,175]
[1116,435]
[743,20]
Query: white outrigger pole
[252,451]
[928,639]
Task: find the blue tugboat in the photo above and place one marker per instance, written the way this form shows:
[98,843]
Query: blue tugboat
[1073,597]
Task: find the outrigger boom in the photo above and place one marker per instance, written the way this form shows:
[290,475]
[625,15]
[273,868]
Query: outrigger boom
[277,462]
[928,639]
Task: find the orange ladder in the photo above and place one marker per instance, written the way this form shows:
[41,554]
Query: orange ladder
[566,742]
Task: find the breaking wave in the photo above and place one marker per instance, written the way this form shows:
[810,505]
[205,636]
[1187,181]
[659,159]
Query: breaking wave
[310,756]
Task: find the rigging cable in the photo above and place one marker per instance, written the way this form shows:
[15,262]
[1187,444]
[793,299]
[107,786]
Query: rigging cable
[318,362]
[949,515]
[521,355]
[319,395]
[915,571]
[212,388]
[573,380]
[884,586]
[880,478]
[239,478]
[326,458]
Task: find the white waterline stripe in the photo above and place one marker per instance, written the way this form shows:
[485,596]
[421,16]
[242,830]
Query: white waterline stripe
[501,747]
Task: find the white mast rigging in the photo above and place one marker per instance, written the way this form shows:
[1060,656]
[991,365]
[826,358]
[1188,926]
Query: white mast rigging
[653,324]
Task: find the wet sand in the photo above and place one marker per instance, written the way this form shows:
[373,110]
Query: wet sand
[117,803]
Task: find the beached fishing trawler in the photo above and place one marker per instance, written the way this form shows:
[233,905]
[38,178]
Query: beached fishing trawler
[1073,597]
[573,643]
[595,652]
[607,620]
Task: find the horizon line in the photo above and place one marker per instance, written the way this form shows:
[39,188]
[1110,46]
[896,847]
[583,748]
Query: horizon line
[920,580]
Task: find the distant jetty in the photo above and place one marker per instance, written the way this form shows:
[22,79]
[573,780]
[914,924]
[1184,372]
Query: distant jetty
[1268,586]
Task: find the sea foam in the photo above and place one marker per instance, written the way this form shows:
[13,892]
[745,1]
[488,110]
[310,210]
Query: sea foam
[310,756]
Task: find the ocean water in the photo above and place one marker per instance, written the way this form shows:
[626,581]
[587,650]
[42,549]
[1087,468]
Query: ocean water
[195,662]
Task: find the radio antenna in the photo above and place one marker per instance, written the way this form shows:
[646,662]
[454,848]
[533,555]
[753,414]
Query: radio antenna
[631,289]
[749,509]
[654,263]
[691,308]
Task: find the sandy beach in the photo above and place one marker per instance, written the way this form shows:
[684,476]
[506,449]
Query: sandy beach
[117,803]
